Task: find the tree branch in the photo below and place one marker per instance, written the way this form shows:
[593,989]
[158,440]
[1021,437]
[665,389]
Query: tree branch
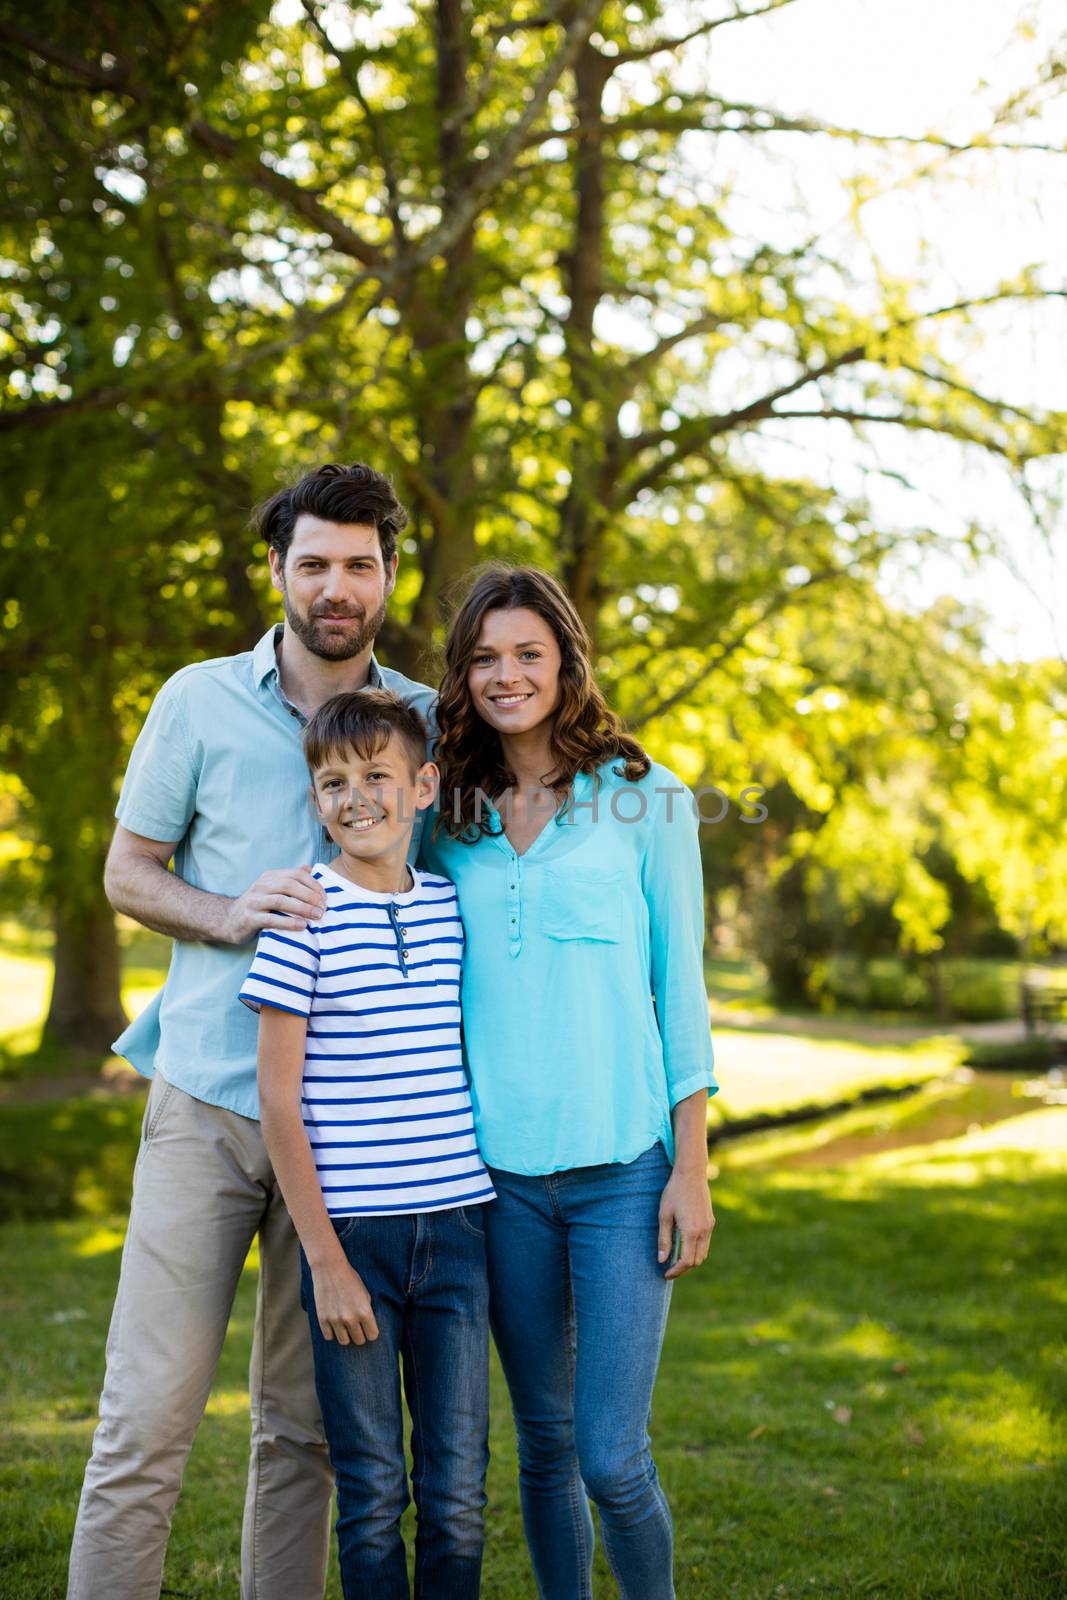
[703,429]
[502,30]
[298,199]
[658,708]
[493,172]
[93,77]
[706,114]
[351,77]
[901,420]
[44,413]
[635,370]
[658,46]
[966,391]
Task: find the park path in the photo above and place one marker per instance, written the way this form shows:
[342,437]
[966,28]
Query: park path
[1009,1031]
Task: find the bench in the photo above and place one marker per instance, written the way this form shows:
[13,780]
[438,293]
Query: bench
[1044,1006]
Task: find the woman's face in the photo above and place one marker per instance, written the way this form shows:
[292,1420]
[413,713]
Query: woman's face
[513,675]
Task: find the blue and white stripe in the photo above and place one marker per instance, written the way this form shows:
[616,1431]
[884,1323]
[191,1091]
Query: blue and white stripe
[385,1097]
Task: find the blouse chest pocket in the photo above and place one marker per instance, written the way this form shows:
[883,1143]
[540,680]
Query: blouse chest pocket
[581,905]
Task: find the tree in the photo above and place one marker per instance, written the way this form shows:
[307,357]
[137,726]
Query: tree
[489,251]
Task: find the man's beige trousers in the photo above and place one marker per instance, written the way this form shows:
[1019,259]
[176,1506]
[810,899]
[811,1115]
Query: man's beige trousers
[202,1189]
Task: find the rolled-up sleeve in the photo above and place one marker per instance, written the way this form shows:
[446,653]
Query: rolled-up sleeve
[158,796]
[672,883]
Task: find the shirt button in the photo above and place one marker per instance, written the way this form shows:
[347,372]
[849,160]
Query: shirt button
[404,955]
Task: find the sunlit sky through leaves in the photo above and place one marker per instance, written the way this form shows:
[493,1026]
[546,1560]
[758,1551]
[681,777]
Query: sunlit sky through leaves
[944,66]
[955,224]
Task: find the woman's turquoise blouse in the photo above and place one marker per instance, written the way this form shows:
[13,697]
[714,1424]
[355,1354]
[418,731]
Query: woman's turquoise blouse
[584,1008]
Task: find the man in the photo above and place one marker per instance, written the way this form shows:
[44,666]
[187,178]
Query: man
[217,780]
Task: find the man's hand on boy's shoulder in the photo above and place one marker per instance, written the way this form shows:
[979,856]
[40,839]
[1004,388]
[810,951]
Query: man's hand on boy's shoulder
[287,898]
[342,1305]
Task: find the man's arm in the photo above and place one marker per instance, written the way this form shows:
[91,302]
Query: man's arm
[342,1304]
[138,884]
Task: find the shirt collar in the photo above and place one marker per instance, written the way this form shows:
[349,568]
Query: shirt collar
[265,660]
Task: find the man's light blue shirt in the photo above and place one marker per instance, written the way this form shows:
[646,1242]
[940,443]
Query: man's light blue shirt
[219,767]
[584,1008]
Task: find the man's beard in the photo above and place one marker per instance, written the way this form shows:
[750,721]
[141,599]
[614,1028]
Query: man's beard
[333,644]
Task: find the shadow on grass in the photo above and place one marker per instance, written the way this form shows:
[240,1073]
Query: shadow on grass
[68,1158]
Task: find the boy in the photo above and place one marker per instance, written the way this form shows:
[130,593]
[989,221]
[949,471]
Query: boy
[367,1118]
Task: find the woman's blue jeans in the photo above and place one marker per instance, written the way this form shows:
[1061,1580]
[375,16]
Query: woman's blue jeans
[578,1304]
[427,1282]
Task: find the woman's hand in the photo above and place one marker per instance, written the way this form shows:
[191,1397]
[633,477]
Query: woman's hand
[685,1204]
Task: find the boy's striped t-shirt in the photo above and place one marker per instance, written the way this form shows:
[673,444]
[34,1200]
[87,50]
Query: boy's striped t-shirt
[385,1097]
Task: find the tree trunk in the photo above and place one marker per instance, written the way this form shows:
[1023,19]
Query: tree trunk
[436,304]
[582,515]
[73,789]
[85,1011]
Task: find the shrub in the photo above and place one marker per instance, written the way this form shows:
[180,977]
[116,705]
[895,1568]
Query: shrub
[980,991]
[971,990]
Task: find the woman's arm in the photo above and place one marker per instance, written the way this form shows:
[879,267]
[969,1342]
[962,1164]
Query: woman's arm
[685,1203]
[672,883]
[342,1303]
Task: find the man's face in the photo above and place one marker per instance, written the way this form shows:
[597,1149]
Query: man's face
[334,586]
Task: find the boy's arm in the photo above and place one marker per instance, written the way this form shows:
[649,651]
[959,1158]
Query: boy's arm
[342,1304]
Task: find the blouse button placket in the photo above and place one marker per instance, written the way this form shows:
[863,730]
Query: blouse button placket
[514,904]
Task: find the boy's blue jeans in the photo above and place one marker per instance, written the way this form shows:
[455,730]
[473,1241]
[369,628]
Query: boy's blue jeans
[579,1305]
[426,1277]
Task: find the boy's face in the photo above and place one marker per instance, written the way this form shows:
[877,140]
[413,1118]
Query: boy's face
[368,805]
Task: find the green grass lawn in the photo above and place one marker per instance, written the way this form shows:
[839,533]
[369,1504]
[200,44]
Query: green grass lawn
[862,1393]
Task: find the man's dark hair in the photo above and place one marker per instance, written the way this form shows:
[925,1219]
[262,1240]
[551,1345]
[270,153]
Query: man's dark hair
[363,721]
[335,493]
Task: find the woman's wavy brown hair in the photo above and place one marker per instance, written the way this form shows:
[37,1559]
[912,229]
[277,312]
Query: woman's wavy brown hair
[585,732]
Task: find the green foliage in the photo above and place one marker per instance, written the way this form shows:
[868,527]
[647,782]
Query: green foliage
[963,989]
[1036,1054]
[882,984]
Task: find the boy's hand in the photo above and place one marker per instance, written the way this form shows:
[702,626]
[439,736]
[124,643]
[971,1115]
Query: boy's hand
[343,1305]
[289,898]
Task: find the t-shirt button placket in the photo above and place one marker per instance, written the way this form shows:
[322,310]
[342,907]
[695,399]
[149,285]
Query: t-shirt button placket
[400,935]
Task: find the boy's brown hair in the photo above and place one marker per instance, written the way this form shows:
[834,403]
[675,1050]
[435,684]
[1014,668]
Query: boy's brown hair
[363,721]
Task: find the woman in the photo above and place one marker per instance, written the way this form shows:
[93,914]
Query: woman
[586,1027]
